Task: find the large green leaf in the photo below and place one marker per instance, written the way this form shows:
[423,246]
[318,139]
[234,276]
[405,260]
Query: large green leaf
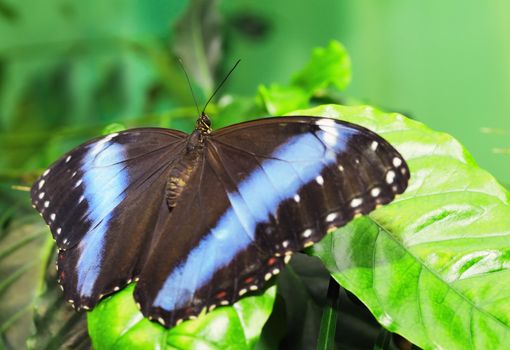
[117,323]
[434,265]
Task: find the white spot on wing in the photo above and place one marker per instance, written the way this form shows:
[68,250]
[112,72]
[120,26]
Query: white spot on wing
[41,195]
[331,217]
[320,180]
[297,198]
[307,233]
[46,204]
[242,292]
[374,145]
[46,172]
[397,162]
[390,176]
[356,202]
[59,230]
[375,192]
[78,183]
[68,159]
[52,216]
[285,244]
[41,183]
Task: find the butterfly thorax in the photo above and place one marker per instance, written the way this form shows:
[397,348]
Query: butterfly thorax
[183,167]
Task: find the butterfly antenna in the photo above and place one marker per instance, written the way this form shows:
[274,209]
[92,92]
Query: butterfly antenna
[189,84]
[220,85]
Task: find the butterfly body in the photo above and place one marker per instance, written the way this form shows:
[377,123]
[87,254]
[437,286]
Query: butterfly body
[181,171]
[200,220]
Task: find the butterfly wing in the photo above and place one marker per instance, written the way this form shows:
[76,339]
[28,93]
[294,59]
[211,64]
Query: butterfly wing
[264,189]
[101,201]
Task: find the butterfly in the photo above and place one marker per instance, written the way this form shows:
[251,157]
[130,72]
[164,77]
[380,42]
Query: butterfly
[199,220]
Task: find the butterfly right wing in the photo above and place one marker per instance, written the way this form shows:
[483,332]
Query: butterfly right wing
[101,201]
[265,189]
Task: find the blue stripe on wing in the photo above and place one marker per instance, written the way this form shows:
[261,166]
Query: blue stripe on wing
[102,164]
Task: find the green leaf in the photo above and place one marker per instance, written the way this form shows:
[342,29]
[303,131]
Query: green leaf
[326,338]
[434,265]
[278,99]
[111,128]
[116,323]
[329,66]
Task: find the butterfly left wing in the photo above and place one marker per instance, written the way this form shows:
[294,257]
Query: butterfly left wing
[101,201]
[265,189]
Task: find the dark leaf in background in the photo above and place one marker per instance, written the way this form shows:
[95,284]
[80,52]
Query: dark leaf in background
[8,12]
[302,298]
[19,276]
[198,42]
[253,26]
[57,326]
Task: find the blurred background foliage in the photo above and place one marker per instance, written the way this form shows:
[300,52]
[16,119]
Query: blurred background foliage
[69,70]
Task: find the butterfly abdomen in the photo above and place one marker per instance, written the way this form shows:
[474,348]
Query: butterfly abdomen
[179,175]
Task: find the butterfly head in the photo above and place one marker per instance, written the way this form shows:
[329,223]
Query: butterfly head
[203,124]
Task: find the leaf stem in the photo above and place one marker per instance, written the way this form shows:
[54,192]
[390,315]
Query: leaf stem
[327,330]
